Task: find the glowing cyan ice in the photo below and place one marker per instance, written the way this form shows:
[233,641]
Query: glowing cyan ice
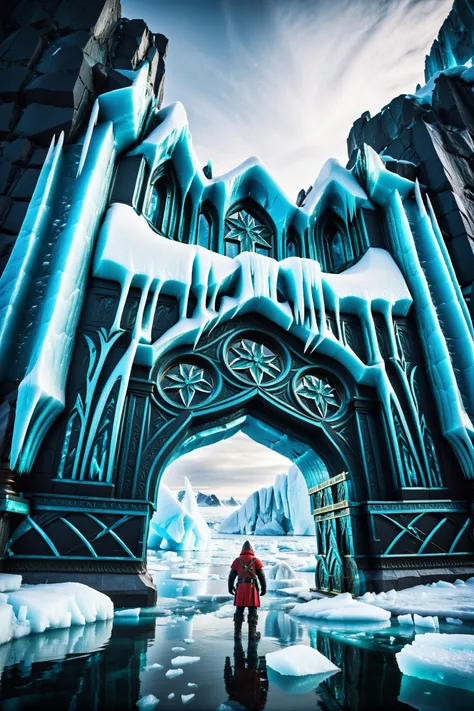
[178,525]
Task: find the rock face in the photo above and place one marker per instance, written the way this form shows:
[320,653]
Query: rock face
[277,510]
[55,59]
[430,136]
[454,44]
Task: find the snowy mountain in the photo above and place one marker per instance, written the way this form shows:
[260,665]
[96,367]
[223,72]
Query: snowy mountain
[202,499]
[210,499]
[283,508]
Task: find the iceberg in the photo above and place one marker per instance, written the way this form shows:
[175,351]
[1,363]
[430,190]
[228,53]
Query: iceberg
[443,658]
[277,510]
[342,608]
[178,525]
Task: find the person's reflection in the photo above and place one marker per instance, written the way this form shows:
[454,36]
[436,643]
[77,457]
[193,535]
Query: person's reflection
[248,683]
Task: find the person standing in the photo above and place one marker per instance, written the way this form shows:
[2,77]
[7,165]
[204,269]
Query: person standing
[248,571]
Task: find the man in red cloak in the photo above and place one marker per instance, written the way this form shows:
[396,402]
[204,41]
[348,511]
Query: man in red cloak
[248,570]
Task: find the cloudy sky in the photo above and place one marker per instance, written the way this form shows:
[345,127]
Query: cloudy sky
[284,80]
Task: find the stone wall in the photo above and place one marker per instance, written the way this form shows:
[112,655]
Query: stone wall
[56,57]
[430,136]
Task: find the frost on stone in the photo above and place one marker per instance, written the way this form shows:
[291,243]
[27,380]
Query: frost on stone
[178,525]
[279,509]
[442,658]
[341,608]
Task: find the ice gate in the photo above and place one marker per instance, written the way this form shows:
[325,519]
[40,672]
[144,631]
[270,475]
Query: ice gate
[178,308]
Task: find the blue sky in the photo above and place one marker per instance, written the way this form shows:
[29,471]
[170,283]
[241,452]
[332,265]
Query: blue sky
[284,80]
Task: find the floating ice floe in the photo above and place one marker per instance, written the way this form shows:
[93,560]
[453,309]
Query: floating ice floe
[171,673]
[453,621]
[405,620]
[57,605]
[282,576]
[171,696]
[441,599]
[188,640]
[443,658]
[186,698]
[155,666]
[189,576]
[178,649]
[148,702]
[298,669]
[340,608]
[299,660]
[182,661]
[430,623]
[192,685]
[130,612]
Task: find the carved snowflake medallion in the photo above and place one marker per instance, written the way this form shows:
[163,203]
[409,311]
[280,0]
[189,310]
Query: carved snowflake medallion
[323,397]
[187,383]
[254,360]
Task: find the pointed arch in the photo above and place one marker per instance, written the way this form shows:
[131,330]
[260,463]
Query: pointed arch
[206,232]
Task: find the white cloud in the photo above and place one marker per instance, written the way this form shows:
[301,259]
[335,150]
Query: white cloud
[234,467]
[286,80]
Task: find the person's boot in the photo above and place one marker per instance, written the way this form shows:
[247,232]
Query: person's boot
[253,634]
[238,619]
